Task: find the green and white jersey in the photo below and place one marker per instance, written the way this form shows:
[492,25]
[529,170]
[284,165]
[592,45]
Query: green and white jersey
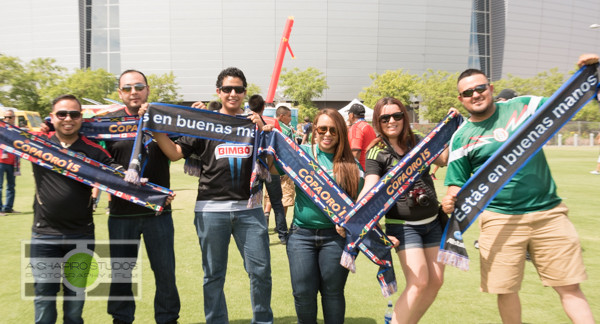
[532,188]
[288,131]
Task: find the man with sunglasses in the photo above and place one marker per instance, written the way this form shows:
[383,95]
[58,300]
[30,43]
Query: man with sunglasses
[129,221]
[9,168]
[527,215]
[62,210]
[222,210]
[360,134]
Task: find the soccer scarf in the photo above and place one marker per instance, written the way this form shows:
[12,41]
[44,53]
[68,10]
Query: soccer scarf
[110,128]
[199,123]
[78,167]
[491,177]
[360,219]
[371,207]
[329,197]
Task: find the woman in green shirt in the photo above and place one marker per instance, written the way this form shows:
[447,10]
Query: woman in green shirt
[315,246]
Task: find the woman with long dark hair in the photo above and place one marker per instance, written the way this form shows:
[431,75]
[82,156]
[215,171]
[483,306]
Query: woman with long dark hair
[412,225]
[315,245]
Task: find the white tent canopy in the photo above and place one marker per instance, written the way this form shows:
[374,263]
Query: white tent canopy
[368,111]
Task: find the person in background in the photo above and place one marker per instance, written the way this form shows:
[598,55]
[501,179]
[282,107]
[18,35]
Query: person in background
[284,116]
[222,210]
[315,245]
[214,106]
[62,211]
[527,215]
[9,169]
[412,225]
[274,192]
[597,171]
[505,95]
[128,221]
[360,134]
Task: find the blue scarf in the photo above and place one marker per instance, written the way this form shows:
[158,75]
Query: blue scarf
[360,220]
[80,168]
[384,194]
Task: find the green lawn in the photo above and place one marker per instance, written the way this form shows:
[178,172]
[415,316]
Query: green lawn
[459,300]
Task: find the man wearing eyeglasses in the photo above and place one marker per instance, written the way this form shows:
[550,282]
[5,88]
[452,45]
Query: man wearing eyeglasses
[62,211]
[222,210]
[527,215]
[9,168]
[129,221]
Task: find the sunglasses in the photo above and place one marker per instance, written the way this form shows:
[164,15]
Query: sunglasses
[469,92]
[137,87]
[9,117]
[238,89]
[386,118]
[62,114]
[322,130]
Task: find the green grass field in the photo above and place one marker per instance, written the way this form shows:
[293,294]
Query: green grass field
[459,300]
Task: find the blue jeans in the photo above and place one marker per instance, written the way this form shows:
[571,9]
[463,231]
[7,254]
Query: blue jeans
[275,195]
[9,171]
[50,246]
[249,229]
[314,257]
[158,235]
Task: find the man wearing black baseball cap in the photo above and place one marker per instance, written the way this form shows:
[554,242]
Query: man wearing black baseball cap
[360,134]
[505,95]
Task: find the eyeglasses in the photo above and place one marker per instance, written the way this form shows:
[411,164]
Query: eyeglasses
[469,92]
[322,130]
[238,89]
[9,117]
[386,118]
[62,114]
[137,87]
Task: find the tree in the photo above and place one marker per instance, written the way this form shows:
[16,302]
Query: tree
[25,84]
[397,84]
[163,88]
[303,87]
[10,69]
[543,84]
[251,90]
[83,83]
[438,93]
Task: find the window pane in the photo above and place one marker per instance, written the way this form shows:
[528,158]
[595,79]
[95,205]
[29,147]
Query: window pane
[113,16]
[99,60]
[99,41]
[99,17]
[115,63]
[115,41]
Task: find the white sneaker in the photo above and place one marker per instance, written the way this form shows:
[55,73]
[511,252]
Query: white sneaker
[594,172]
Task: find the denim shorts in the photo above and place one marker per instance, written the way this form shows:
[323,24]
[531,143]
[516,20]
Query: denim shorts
[416,236]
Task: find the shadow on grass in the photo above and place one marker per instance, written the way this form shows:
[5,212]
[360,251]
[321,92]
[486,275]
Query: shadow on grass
[294,320]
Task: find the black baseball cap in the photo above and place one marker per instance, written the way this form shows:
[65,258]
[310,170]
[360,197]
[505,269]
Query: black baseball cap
[357,109]
[506,94]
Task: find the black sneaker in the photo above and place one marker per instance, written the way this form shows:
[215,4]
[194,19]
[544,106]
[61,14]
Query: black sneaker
[283,240]
[11,211]
[118,321]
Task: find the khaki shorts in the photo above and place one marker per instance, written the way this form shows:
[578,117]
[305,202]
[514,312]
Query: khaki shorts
[289,191]
[548,235]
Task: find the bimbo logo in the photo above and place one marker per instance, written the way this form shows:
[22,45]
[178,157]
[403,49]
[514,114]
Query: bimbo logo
[230,150]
